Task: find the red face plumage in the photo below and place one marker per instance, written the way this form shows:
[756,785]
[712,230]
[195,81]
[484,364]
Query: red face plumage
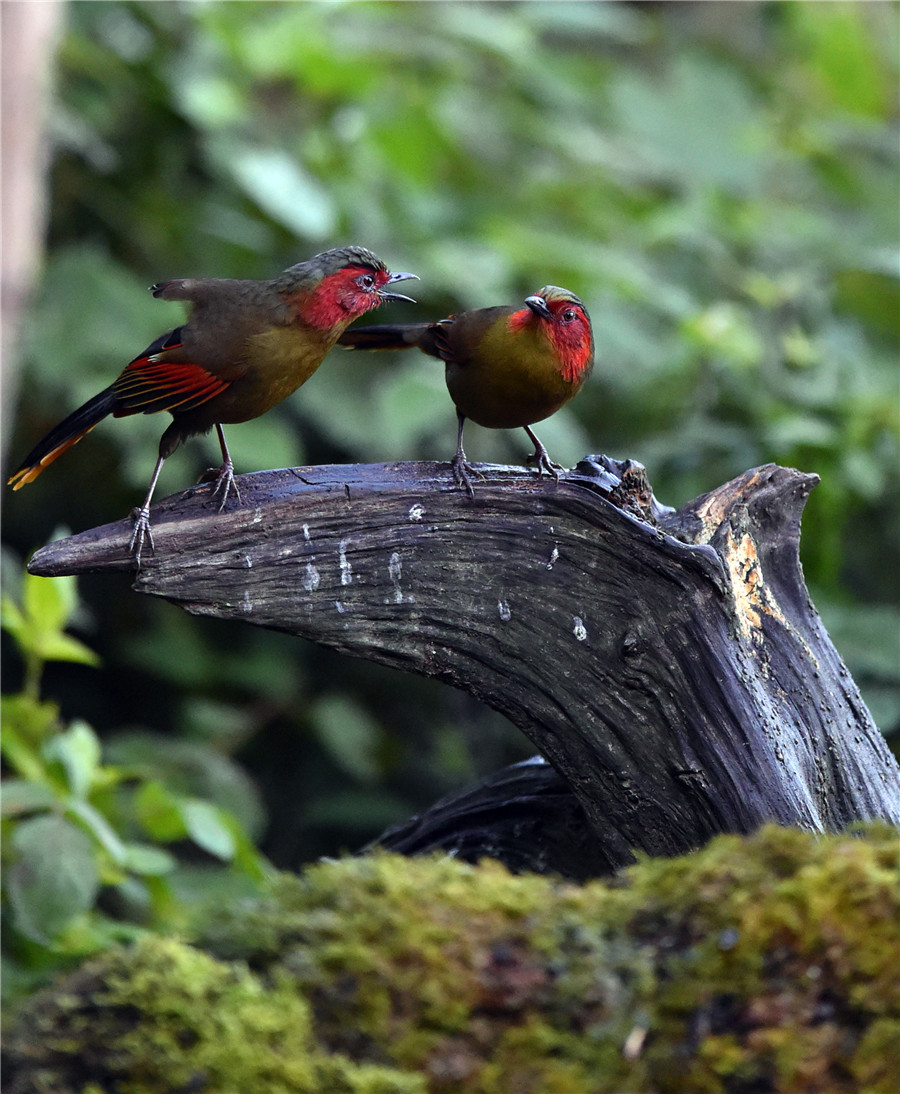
[350,292]
[564,320]
[343,296]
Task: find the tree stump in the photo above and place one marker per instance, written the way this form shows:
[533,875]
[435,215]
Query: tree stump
[669,664]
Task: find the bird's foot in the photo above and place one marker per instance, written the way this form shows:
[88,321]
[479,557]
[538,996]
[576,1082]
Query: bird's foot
[224,483]
[464,472]
[540,458]
[140,533]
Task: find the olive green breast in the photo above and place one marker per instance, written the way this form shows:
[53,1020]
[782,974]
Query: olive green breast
[271,366]
[279,360]
[502,378]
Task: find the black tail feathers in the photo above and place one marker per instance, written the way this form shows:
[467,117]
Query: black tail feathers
[385,336]
[63,436]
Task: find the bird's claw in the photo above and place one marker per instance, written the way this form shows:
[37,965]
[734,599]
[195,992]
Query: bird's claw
[224,483]
[140,533]
[541,459]
[463,472]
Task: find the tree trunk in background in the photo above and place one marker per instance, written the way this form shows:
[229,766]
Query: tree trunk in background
[27,42]
[669,664]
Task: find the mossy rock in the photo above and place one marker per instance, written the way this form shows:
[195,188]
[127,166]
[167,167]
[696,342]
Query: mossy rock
[768,963]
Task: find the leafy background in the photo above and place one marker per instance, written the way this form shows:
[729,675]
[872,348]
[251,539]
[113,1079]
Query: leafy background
[719,183]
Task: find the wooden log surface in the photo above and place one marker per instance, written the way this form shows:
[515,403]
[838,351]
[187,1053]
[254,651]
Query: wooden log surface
[669,664]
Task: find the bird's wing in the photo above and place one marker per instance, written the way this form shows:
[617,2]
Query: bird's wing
[159,379]
[439,339]
[458,338]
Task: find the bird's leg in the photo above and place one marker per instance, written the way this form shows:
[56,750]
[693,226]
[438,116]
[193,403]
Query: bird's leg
[462,469]
[140,533]
[224,482]
[542,458]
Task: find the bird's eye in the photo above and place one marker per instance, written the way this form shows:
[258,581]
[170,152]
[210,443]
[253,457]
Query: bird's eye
[568,315]
[366,281]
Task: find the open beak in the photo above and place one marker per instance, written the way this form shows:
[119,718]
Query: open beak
[539,306]
[392,280]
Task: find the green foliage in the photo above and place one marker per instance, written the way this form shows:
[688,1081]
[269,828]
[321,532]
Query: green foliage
[37,626]
[718,182]
[86,859]
[765,962]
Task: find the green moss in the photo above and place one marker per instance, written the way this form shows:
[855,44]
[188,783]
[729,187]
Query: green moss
[876,1062]
[761,964]
[163,1016]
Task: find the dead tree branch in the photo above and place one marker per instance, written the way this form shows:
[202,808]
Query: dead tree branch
[670,665]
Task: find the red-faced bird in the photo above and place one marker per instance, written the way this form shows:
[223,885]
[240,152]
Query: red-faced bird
[505,367]
[245,346]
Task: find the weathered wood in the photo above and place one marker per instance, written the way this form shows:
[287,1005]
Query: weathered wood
[670,665]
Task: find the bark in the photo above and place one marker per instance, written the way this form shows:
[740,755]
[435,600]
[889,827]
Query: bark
[669,664]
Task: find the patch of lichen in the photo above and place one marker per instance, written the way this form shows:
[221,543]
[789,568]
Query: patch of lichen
[767,963]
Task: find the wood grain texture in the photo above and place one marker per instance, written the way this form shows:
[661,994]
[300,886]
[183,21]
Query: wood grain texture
[670,665]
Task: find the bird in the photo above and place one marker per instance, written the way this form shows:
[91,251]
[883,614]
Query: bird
[245,347]
[505,367]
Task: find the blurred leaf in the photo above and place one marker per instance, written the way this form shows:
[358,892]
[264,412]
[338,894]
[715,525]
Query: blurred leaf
[208,829]
[12,618]
[160,813]
[176,652]
[799,429]
[874,296]
[345,380]
[192,769]
[202,886]
[210,100]
[26,723]
[21,796]
[687,131]
[246,856]
[283,189]
[62,647]
[85,290]
[725,330]
[411,402]
[872,632]
[843,49]
[78,750]
[145,859]
[98,826]
[47,604]
[53,879]
[348,733]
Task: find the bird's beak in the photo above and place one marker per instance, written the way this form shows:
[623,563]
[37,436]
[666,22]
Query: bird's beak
[539,306]
[392,280]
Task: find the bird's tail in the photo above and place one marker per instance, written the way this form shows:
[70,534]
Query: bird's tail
[385,336]
[63,436]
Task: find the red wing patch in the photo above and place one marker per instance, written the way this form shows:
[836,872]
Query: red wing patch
[148,386]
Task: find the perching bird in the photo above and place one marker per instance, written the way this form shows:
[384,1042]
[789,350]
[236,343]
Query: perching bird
[504,368]
[246,346]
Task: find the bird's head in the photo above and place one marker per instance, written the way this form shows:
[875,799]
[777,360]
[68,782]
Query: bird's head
[338,286]
[563,319]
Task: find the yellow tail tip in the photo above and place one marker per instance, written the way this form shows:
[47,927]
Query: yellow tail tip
[30,473]
[26,475]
